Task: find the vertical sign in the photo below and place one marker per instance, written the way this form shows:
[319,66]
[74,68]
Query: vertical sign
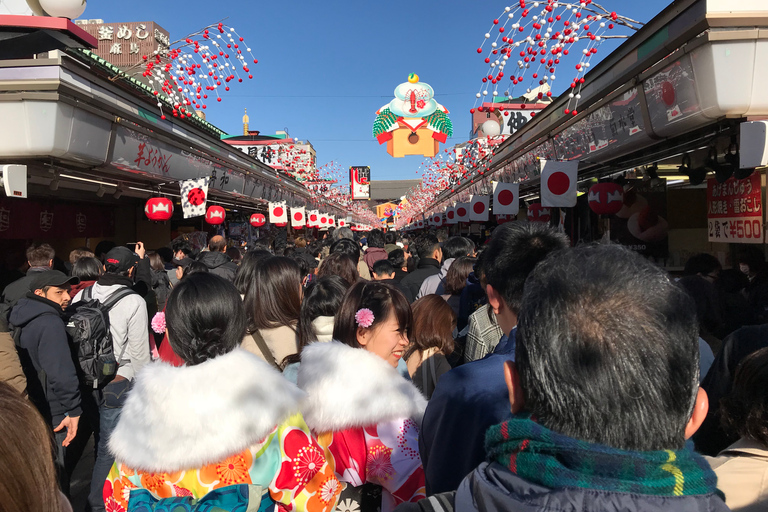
[360,182]
[735,210]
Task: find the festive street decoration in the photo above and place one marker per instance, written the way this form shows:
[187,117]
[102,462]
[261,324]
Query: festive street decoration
[194,196]
[462,212]
[531,38]
[159,209]
[204,63]
[298,218]
[413,123]
[537,213]
[479,208]
[258,219]
[506,198]
[606,198]
[278,213]
[215,215]
[558,183]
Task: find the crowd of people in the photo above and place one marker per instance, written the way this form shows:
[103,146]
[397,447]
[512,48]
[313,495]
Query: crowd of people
[379,372]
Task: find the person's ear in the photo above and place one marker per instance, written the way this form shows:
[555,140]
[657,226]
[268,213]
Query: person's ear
[516,395]
[700,409]
[50,263]
[363,336]
[494,299]
[39,293]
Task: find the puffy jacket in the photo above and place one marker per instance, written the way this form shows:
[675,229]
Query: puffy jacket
[219,263]
[493,488]
[46,358]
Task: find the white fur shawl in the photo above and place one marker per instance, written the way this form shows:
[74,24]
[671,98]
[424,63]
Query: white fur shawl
[190,416]
[350,387]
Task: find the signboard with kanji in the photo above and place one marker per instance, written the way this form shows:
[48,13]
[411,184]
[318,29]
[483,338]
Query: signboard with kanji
[735,210]
[124,44]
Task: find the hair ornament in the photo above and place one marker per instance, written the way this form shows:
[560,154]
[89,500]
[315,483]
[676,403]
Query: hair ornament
[364,317]
[158,322]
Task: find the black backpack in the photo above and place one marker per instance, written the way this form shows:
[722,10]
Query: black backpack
[88,326]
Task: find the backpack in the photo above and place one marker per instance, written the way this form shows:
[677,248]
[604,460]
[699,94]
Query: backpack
[88,326]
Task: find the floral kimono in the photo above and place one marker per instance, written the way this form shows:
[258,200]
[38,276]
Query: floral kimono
[227,431]
[366,418]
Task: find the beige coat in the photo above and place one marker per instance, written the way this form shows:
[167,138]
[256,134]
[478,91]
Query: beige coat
[10,366]
[742,475]
[282,342]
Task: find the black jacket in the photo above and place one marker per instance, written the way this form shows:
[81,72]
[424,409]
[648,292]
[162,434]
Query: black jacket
[413,281]
[219,263]
[15,291]
[46,358]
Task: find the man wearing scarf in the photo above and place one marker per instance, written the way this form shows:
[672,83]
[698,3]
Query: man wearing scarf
[603,393]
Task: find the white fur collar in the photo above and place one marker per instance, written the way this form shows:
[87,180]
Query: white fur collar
[350,387]
[185,417]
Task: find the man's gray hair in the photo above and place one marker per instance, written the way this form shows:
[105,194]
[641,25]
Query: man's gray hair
[344,232]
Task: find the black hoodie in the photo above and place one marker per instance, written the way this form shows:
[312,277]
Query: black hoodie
[46,358]
[219,263]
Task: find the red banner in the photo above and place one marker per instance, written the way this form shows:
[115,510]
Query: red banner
[735,210]
[49,220]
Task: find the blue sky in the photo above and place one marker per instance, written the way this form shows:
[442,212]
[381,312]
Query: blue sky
[325,67]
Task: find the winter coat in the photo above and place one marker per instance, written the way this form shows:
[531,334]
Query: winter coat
[10,367]
[128,323]
[77,288]
[46,358]
[372,255]
[199,431]
[363,271]
[493,488]
[742,475]
[366,418]
[161,285]
[413,281]
[391,247]
[281,341]
[15,291]
[219,264]
[433,284]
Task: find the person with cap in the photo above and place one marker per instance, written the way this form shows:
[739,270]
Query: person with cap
[45,355]
[128,325]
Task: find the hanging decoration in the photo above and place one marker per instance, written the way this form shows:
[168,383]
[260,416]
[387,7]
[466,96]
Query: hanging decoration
[200,65]
[531,38]
[413,123]
[606,198]
[215,215]
[462,212]
[278,213]
[479,208]
[194,196]
[506,198]
[559,186]
[258,220]
[159,209]
[298,218]
[537,213]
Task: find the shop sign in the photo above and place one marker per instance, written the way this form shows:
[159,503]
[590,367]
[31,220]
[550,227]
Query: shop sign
[641,224]
[735,210]
[54,220]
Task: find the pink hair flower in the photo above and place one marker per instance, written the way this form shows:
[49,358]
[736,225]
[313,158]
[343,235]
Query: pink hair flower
[158,322]
[364,317]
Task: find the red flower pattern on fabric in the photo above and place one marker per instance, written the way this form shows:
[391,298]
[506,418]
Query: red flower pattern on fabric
[110,505]
[379,464]
[307,463]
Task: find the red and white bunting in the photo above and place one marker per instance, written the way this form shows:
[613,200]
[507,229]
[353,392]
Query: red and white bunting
[479,208]
[437,219]
[462,212]
[278,212]
[323,220]
[420,223]
[450,215]
[313,219]
[506,198]
[558,183]
[298,217]
[331,221]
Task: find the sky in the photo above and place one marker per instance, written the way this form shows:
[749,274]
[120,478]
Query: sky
[326,67]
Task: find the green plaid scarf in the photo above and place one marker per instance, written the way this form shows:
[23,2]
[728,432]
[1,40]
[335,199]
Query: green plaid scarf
[555,461]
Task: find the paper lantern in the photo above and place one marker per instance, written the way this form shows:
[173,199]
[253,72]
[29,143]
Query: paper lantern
[258,220]
[215,215]
[281,224]
[159,209]
[64,8]
[606,198]
[537,213]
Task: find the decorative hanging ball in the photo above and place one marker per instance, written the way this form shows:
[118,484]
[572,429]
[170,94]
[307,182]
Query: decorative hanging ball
[258,220]
[537,213]
[281,224]
[64,8]
[215,215]
[159,209]
[606,198]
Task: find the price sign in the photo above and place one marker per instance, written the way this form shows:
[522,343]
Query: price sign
[735,210]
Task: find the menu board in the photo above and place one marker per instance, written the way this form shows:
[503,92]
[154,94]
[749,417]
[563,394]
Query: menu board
[735,210]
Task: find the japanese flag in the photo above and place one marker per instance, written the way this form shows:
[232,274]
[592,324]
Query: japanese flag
[278,213]
[194,195]
[437,219]
[313,219]
[342,223]
[331,221]
[298,217]
[323,220]
[420,223]
[450,215]
[506,198]
[462,212]
[558,183]
[479,208]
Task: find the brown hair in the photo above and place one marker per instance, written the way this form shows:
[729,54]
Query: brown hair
[27,474]
[745,409]
[155,261]
[382,299]
[274,298]
[456,277]
[338,264]
[433,323]
[80,252]
[38,255]
[300,242]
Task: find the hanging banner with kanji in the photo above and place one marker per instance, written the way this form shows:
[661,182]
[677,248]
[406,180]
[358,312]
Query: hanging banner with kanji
[735,210]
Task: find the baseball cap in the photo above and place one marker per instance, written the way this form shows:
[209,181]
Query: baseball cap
[182,262]
[52,278]
[121,259]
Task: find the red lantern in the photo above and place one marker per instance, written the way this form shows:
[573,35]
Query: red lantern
[537,213]
[258,220]
[281,224]
[503,218]
[159,209]
[606,198]
[215,215]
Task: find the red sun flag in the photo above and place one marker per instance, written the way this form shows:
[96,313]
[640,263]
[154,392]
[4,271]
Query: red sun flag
[558,183]
[479,211]
[277,213]
[506,198]
[298,217]
[462,212]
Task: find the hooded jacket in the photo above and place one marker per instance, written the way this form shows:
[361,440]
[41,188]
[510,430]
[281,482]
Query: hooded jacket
[15,291]
[372,255]
[46,358]
[219,264]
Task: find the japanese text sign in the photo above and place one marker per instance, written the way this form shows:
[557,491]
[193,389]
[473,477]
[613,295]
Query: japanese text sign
[735,210]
